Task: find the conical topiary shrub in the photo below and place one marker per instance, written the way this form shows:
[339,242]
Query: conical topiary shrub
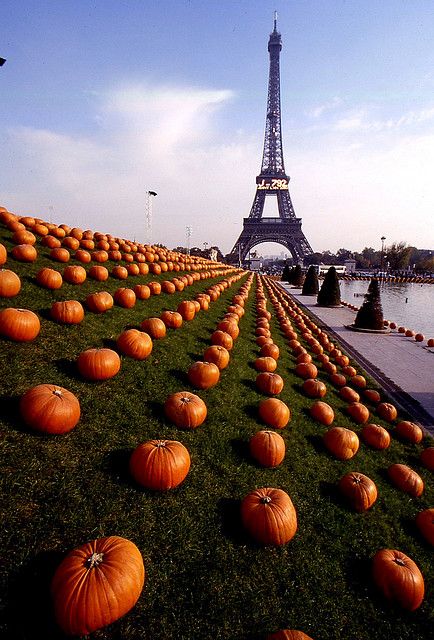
[285,273]
[310,285]
[370,314]
[297,278]
[330,293]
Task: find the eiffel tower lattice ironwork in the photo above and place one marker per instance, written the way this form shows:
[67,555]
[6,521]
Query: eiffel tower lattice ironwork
[272,181]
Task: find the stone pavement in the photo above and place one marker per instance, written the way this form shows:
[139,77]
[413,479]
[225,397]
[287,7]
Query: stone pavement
[403,367]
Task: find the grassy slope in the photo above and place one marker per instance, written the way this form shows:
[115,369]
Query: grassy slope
[205,578]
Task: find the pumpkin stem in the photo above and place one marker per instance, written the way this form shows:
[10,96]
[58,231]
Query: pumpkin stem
[265,499]
[94,560]
[57,392]
[400,562]
[185,399]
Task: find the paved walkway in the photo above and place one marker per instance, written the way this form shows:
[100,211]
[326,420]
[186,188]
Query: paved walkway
[403,367]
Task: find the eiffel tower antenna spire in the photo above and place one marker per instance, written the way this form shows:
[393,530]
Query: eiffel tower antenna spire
[272,180]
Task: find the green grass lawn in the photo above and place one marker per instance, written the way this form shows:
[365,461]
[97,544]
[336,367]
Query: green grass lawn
[205,578]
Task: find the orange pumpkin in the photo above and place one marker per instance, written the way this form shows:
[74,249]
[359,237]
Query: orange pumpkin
[265,363]
[269,516]
[341,442]
[134,343]
[187,310]
[406,479]
[222,339]
[427,458]
[375,436]
[3,254]
[97,584]
[322,412]
[306,370]
[358,381]
[60,254]
[348,394]
[270,350]
[425,524]
[359,490]
[267,448]
[50,409]
[154,327]
[185,409]
[398,578]
[125,297]
[142,291]
[203,375]
[372,395]
[98,364]
[99,302]
[20,325]
[160,464]
[314,388]
[217,355]
[409,431]
[67,312]
[274,413]
[172,319]
[288,634]
[10,283]
[74,274]
[387,411]
[24,253]
[269,383]
[358,412]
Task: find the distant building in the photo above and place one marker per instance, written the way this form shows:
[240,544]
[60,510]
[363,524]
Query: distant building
[255,264]
[350,265]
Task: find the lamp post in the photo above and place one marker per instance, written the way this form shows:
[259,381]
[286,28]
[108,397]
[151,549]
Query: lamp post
[188,231]
[149,194]
[382,255]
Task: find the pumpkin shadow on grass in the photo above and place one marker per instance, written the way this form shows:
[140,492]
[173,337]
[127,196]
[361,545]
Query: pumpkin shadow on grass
[330,491]
[251,411]
[241,449]
[11,412]
[250,384]
[109,343]
[45,313]
[31,585]
[157,410]
[69,368]
[230,517]
[180,375]
[317,443]
[116,464]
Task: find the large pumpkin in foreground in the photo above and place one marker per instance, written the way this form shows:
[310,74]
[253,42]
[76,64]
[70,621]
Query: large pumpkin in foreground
[50,409]
[399,578]
[97,584]
[160,464]
[269,516]
[288,634]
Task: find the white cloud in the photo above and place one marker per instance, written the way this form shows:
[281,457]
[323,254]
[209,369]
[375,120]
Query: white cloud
[332,104]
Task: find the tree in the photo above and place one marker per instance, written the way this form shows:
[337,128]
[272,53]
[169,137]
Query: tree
[310,285]
[398,255]
[330,293]
[343,254]
[370,314]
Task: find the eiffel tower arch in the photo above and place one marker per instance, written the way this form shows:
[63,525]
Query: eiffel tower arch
[272,180]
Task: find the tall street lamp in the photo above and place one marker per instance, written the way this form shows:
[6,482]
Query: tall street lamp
[382,255]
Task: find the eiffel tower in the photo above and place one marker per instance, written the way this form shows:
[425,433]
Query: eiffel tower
[272,181]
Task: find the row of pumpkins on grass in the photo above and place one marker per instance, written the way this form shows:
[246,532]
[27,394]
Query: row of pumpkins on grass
[26,230]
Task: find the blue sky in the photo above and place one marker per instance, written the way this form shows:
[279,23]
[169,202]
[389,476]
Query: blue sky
[101,101]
